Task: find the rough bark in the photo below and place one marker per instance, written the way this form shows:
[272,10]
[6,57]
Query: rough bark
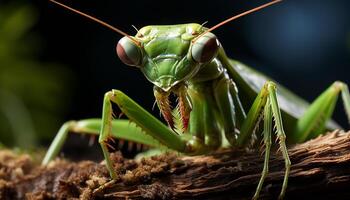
[320,170]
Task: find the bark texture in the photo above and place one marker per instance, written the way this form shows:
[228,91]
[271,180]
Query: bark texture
[320,170]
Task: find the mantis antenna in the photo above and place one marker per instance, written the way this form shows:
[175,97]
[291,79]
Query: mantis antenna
[98,21]
[235,17]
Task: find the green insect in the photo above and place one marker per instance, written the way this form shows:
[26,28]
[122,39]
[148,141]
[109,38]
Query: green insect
[220,100]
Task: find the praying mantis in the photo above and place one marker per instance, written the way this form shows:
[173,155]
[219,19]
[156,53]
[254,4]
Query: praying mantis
[220,100]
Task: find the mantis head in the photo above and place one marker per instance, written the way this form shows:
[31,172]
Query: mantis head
[166,54]
[169,56]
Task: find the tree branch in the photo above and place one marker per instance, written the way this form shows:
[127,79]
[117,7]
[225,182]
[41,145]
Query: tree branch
[320,170]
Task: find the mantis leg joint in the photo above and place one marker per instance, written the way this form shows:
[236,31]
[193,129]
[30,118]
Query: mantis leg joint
[339,85]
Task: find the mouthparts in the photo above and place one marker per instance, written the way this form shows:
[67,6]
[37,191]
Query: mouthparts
[182,110]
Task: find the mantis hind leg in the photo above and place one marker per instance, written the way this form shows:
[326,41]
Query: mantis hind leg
[121,129]
[314,120]
[266,106]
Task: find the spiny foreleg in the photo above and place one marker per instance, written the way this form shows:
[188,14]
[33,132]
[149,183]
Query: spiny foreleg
[267,143]
[266,105]
[147,122]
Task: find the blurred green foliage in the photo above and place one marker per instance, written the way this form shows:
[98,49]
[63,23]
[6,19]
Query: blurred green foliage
[32,92]
[349,40]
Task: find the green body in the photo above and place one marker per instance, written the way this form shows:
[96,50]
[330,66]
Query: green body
[169,45]
[222,99]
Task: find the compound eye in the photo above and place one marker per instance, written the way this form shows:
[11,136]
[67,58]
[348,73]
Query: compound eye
[205,48]
[128,52]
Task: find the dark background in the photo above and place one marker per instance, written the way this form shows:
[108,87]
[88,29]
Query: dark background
[304,45]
